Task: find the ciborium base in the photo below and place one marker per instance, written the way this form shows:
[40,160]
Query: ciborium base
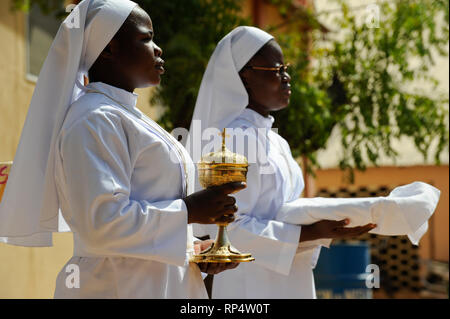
[221,251]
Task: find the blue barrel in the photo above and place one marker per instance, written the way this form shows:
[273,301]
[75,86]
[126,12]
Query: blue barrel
[341,272]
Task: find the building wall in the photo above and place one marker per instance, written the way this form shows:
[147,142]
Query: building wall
[24,272]
[408,155]
[13,106]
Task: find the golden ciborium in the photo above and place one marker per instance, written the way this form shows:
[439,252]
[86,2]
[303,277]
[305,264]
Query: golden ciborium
[215,169]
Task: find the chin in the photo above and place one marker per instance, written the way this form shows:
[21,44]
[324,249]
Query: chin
[150,83]
[282,106]
[155,81]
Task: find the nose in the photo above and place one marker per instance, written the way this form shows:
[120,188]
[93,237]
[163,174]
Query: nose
[158,51]
[285,77]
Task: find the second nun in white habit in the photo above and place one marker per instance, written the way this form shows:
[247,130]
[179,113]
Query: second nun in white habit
[245,80]
[90,162]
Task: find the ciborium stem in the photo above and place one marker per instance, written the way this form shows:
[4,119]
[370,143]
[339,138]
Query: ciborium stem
[214,169]
[222,236]
[221,251]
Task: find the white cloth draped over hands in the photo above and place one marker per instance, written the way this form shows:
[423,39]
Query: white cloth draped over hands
[404,212]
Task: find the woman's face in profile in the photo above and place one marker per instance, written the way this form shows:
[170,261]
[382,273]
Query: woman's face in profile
[137,55]
[268,90]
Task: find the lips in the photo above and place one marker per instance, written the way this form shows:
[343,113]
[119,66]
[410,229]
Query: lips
[286,89]
[159,65]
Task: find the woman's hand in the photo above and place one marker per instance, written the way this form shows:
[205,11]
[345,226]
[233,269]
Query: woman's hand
[333,229]
[213,204]
[211,268]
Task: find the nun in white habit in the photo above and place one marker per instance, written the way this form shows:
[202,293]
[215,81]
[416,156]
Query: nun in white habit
[89,161]
[245,80]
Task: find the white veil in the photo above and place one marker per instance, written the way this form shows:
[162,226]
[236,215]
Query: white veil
[29,210]
[222,95]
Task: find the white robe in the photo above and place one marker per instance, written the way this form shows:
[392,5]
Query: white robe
[120,191]
[283,268]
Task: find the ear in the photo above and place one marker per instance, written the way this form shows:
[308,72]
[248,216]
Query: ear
[108,51]
[243,74]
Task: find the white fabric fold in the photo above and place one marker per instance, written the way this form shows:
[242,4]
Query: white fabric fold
[404,212]
[112,209]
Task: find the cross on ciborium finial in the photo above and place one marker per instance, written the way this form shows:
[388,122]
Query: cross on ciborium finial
[223,135]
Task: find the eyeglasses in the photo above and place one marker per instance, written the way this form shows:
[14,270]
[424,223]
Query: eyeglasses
[277,69]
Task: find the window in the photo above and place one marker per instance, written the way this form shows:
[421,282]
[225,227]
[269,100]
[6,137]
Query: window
[41,29]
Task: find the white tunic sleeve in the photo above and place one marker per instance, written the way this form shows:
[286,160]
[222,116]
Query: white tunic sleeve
[297,176]
[97,164]
[272,243]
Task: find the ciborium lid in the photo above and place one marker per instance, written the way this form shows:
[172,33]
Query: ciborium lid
[224,166]
[224,156]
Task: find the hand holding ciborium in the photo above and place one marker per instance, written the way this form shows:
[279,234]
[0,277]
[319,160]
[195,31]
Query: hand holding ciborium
[214,169]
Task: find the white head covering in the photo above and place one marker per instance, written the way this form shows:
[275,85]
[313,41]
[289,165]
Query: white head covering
[29,211]
[222,95]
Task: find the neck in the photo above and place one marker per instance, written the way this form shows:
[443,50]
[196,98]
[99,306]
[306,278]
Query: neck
[112,80]
[117,84]
[258,109]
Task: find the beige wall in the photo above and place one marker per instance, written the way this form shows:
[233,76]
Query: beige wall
[16,90]
[31,272]
[24,272]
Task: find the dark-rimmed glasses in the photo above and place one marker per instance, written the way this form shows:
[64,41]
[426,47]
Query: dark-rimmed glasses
[276,69]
